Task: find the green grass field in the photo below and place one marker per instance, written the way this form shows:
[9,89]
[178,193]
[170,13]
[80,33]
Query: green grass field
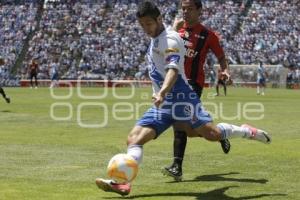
[42,158]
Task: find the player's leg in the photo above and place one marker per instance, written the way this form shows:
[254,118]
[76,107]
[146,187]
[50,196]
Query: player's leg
[263,86]
[7,99]
[52,81]
[258,87]
[225,88]
[36,82]
[204,127]
[179,145]
[150,126]
[217,88]
[227,131]
[56,81]
[2,92]
[138,136]
[31,80]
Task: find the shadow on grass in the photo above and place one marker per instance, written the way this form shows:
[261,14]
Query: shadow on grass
[220,177]
[5,111]
[217,194]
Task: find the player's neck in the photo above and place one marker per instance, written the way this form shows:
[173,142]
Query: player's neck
[160,30]
[192,23]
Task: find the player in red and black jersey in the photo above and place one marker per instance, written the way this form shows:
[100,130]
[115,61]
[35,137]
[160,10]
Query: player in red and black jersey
[7,99]
[33,71]
[199,40]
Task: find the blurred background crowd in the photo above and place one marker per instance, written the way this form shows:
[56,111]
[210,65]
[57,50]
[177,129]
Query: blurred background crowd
[101,39]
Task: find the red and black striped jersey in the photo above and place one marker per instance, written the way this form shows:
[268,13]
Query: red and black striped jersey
[198,41]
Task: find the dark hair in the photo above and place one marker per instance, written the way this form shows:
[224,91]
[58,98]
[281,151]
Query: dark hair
[198,3]
[149,9]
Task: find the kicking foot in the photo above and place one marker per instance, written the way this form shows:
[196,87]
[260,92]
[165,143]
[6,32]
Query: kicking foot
[111,186]
[259,135]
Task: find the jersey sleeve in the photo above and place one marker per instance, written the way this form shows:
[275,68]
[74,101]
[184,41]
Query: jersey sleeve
[172,54]
[214,45]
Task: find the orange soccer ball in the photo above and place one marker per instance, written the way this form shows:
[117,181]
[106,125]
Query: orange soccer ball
[122,168]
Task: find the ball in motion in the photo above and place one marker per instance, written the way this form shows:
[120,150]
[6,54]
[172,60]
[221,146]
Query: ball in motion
[122,168]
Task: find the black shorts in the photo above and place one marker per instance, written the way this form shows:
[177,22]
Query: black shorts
[196,87]
[33,75]
[221,82]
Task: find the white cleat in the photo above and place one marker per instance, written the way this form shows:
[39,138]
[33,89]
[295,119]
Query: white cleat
[258,134]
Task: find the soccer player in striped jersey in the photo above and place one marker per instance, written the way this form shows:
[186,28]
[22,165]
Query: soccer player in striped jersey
[198,40]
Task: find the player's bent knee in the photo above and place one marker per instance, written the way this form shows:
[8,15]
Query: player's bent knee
[140,135]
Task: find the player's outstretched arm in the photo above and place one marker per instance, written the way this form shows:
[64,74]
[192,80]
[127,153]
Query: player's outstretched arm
[223,63]
[166,87]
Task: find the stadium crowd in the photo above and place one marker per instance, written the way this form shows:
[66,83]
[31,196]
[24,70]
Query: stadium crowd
[271,32]
[89,41]
[16,22]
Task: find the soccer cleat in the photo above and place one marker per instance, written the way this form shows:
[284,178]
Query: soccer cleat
[257,134]
[7,99]
[174,171]
[225,144]
[110,186]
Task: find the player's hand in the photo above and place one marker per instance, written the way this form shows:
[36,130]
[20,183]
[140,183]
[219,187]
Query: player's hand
[226,75]
[178,24]
[157,99]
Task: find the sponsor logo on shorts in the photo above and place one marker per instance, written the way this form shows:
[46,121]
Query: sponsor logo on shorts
[172,50]
[173,58]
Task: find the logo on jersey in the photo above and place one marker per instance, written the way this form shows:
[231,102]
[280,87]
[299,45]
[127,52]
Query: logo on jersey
[172,50]
[191,53]
[187,43]
[173,59]
[187,110]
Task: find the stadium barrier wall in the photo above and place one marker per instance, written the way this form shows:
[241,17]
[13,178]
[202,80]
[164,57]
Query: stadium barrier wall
[110,83]
[89,83]
[238,81]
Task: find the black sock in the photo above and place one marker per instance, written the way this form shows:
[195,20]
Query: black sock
[2,92]
[179,144]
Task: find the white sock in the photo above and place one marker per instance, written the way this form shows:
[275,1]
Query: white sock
[258,90]
[136,151]
[233,131]
[263,90]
